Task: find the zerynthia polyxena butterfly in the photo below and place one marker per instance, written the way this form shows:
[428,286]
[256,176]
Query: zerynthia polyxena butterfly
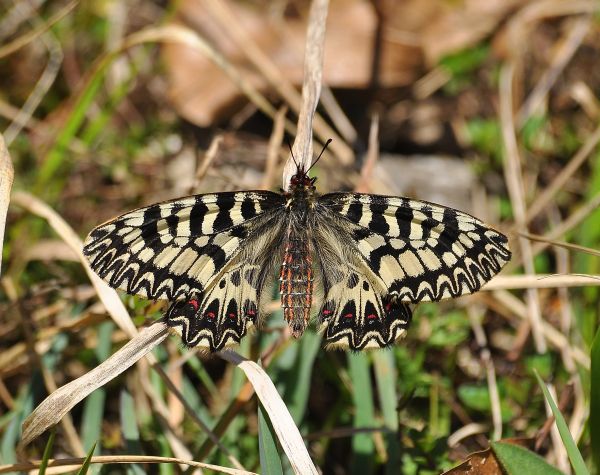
[366,257]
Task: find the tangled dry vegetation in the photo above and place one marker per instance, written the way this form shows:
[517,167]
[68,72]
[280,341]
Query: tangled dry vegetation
[490,106]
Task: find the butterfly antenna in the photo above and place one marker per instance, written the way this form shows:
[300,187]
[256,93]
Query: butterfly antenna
[322,151]
[292,153]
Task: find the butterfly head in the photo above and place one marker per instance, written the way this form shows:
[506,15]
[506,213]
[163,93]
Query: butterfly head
[301,181]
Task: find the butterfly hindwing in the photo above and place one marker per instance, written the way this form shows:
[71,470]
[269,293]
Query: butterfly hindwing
[177,247]
[221,316]
[356,316]
[418,250]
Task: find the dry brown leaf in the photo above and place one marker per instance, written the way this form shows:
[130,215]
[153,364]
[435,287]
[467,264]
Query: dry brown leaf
[203,94]
[485,462]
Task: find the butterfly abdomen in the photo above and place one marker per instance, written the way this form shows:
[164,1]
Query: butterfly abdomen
[296,283]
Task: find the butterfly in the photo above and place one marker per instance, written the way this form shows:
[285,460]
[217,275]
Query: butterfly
[365,257]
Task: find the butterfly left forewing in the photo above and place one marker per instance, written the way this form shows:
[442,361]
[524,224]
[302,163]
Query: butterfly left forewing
[176,247]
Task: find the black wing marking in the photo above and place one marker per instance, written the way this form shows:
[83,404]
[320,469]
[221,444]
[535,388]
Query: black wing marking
[176,248]
[418,250]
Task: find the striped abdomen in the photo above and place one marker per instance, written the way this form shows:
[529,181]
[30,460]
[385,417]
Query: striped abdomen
[296,283]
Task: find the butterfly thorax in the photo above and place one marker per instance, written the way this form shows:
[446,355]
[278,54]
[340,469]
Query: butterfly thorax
[296,274]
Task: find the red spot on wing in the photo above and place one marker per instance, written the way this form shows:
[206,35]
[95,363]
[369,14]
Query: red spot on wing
[251,312]
[327,312]
[349,315]
[209,315]
[194,303]
[371,316]
[231,315]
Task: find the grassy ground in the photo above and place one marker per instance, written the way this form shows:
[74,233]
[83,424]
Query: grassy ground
[93,128]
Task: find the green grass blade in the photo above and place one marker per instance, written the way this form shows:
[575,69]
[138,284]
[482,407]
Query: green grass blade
[270,460]
[362,444]
[594,423]
[573,452]
[86,463]
[47,452]
[385,377]
[516,460]
[298,390]
[129,428]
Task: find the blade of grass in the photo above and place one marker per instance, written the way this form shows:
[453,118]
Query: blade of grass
[270,462]
[594,422]
[86,463]
[130,431]
[385,377]
[518,460]
[363,446]
[574,455]
[47,452]
[93,410]
[299,388]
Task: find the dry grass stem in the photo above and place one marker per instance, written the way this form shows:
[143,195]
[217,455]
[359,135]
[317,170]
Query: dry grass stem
[372,157]
[561,244]
[41,87]
[76,463]
[50,411]
[584,96]
[188,37]
[311,89]
[514,182]
[542,281]
[107,295]
[6,180]
[486,358]
[338,117]
[568,46]
[554,336]
[287,433]
[275,77]
[465,431]
[275,141]
[39,30]
[207,161]
[34,359]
